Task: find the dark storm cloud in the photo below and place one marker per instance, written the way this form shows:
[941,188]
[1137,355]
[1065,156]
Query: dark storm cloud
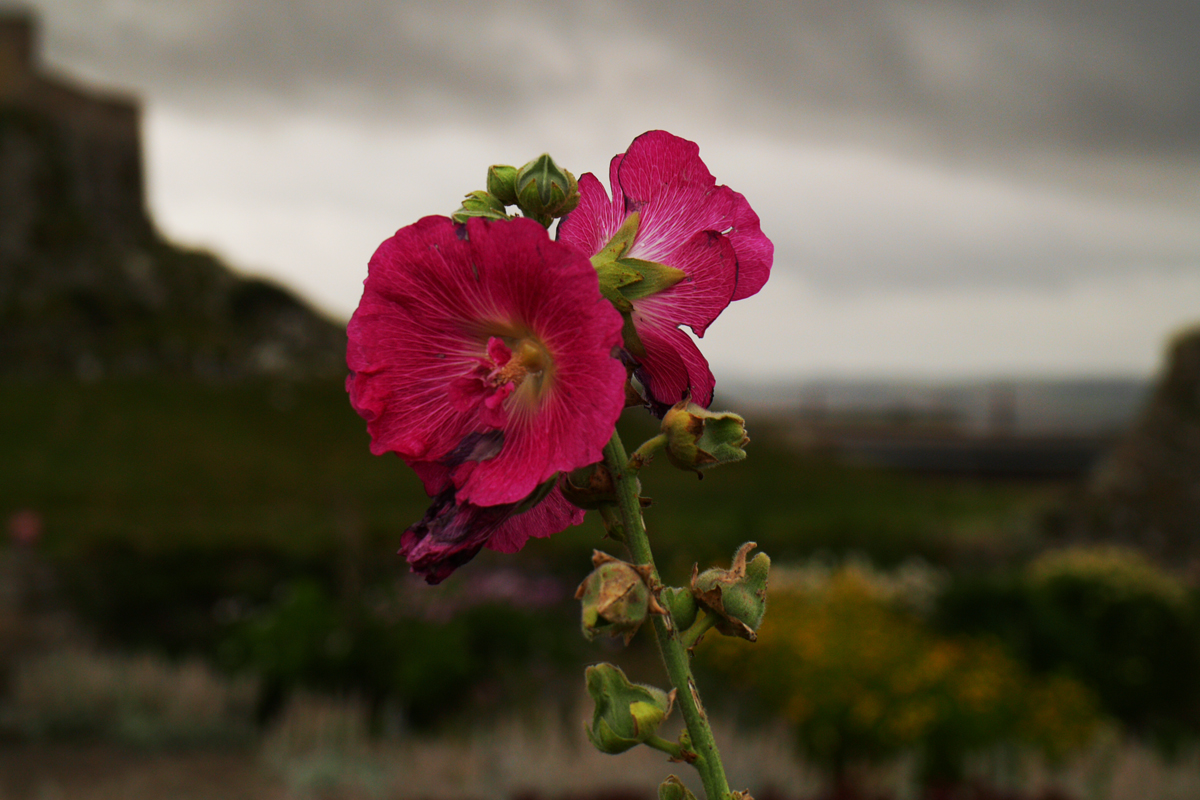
[1107,74]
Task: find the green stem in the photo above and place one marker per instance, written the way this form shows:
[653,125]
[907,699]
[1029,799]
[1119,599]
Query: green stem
[643,454]
[675,657]
[692,635]
[673,749]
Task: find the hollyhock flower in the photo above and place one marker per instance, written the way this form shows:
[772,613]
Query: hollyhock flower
[483,355]
[672,249]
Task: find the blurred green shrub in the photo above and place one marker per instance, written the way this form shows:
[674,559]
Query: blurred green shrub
[380,648]
[862,678]
[1108,617]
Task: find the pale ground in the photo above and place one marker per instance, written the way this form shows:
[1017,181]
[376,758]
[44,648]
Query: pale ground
[318,751]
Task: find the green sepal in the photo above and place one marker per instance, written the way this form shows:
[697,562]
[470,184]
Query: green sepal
[623,279]
[480,204]
[626,714]
[682,606]
[621,241]
[629,336]
[614,278]
[652,277]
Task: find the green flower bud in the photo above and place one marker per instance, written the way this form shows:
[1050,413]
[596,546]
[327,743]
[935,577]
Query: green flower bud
[698,438]
[626,714]
[673,789]
[545,190]
[682,606]
[738,595]
[502,183]
[616,597]
[480,204]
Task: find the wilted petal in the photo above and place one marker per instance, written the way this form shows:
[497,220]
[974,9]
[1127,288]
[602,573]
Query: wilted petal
[452,533]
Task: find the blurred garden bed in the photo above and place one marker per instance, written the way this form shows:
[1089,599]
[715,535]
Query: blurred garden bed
[211,568]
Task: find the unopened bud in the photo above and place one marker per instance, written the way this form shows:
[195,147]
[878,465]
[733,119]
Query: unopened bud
[682,606]
[545,190]
[626,714]
[738,595]
[698,438]
[502,183]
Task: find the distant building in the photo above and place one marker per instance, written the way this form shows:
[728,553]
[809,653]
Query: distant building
[87,286]
[98,137]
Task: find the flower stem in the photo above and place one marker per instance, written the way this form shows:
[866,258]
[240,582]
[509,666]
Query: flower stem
[675,657]
[643,454]
[692,635]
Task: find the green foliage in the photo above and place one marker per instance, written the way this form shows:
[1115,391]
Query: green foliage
[1104,615]
[431,668]
[861,678]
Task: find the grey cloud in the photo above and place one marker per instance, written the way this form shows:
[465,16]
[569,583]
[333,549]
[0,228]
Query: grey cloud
[1104,74]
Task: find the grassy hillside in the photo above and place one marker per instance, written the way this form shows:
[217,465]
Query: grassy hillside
[160,466]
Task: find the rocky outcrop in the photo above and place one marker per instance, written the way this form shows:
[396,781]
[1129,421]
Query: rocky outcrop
[1146,492]
[87,286]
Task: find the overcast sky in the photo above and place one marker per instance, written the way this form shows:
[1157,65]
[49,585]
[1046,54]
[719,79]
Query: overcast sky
[956,188]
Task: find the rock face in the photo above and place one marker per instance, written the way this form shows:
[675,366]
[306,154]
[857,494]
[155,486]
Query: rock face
[87,285]
[1146,493]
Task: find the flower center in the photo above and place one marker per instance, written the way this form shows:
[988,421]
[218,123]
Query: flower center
[521,369]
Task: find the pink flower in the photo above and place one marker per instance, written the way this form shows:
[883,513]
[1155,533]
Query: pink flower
[483,354]
[708,237]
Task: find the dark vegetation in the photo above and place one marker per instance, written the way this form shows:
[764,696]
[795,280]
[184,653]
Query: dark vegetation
[248,522]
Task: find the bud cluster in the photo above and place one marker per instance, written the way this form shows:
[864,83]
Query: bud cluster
[541,189]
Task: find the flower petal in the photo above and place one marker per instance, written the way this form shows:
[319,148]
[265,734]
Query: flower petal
[594,221]
[673,367]
[663,177]
[711,267]
[755,251]
[421,352]
[552,515]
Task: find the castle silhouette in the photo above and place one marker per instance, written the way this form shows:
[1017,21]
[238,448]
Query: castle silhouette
[99,133]
[88,287]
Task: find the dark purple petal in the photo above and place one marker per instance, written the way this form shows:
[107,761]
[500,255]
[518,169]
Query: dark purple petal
[452,533]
